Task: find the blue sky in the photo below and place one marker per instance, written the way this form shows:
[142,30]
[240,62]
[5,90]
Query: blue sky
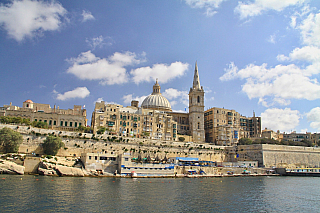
[256,55]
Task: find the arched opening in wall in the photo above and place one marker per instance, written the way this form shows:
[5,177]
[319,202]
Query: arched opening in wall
[198,125]
[198,99]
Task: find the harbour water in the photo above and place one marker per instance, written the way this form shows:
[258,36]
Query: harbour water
[228,194]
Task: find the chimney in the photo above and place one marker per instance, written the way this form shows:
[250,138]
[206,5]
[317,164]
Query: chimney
[135,103]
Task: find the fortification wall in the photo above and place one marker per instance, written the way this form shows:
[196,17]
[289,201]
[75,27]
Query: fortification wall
[77,143]
[290,156]
[270,155]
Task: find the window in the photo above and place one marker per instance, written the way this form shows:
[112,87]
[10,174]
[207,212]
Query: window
[198,125]
[89,157]
[95,157]
[61,123]
[65,123]
[45,121]
[75,124]
[54,123]
[50,122]
[198,99]
[70,123]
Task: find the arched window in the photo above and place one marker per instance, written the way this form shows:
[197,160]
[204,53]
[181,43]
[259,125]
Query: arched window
[198,99]
[198,125]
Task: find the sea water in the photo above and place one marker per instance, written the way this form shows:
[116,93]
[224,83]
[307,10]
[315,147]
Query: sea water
[228,194]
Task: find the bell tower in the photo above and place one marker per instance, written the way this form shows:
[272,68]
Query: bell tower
[196,109]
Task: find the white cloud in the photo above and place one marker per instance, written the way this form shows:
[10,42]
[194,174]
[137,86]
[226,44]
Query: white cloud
[26,18]
[99,41]
[86,15]
[256,7]
[175,96]
[310,30]
[79,92]
[272,39]
[163,72]
[281,82]
[128,98]
[208,5]
[304,130]
[280,119]
[99,100]
[314,117]
[306,53]
[282,57]
[108,70]
[293,22]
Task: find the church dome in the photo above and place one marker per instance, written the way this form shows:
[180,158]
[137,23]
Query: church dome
[156,101]
[29,101]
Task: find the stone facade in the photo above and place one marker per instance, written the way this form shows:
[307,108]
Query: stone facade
[225,127]
[279,155]
[133,121]
[62,119]
[196,109]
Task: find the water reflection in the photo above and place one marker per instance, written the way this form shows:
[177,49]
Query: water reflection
[253,194]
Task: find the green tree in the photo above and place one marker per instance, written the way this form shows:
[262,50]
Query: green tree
[84,129]
[181,139]
[26,121]
[16,120]
[40,124]
[101,130]
[245,141]
[10,140]
[51,145]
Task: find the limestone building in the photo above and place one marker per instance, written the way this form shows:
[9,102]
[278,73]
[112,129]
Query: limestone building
[225,127]
[155,118]
[63,119]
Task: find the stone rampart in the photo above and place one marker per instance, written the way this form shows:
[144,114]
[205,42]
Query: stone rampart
[270,155]
[77,143]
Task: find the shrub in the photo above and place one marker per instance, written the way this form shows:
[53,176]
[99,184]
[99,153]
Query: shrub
[52,144]
[10,140]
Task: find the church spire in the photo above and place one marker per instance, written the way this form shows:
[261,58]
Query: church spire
[196,81]
[156,88]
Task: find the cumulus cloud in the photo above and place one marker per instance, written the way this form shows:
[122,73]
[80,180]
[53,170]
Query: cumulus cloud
[128,98]
[27,18]
[209,5]
[256,7]
[310,30]
[282,82]
[314,117]
[79,92]
[163,72]
[86,16]
[175,96]
[280,119]
[108,70]
[99,41]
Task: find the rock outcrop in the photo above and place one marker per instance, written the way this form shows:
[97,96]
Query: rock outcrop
[8,167]
[53,170]
[69,171]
